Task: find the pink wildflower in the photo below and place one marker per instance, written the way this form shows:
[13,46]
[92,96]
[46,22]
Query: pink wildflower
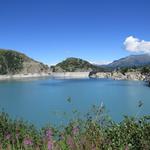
[27,142]
[75,130]
[49,134]
[17,135]
[70,142]
[49,144]
[8,136]
[126,148]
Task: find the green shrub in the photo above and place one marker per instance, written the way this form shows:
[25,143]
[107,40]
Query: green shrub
[145,70]
[11,62]
[93,132]
[124,70]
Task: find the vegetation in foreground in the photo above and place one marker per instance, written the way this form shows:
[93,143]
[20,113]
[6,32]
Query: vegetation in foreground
[94,131]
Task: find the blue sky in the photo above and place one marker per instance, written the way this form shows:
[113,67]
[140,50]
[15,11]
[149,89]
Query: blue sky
[51,30]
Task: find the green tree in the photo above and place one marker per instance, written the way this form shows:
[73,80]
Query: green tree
[145,70]
[124,70]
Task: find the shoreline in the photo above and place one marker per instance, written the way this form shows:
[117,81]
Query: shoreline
[78,75]
[22,76]
[134,76]
[62,75]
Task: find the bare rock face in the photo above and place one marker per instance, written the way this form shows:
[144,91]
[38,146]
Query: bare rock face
[147,78]
[101,75]
[119,76]
[134,76]
[34,67]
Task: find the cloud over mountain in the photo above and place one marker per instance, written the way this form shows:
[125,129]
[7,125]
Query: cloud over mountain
[133,44]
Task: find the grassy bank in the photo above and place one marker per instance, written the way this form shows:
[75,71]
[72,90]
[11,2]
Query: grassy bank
[94,131]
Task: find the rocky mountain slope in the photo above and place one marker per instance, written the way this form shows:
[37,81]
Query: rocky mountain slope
[13,62]
[130,61]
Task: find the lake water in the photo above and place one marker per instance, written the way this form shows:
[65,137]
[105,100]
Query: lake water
[38,101]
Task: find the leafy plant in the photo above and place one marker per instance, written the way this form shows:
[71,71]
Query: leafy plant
[94,131]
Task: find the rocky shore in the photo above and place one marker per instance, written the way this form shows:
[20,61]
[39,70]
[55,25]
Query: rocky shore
[70,75]
[119,76]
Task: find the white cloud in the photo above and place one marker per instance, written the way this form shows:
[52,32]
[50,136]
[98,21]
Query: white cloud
[100,62]
[133,44]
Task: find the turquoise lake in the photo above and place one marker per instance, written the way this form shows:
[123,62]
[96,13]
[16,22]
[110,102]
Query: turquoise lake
[42,101]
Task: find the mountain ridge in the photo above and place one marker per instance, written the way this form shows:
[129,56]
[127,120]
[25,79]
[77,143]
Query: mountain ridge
[14,62]
[130,61]
[73,64]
